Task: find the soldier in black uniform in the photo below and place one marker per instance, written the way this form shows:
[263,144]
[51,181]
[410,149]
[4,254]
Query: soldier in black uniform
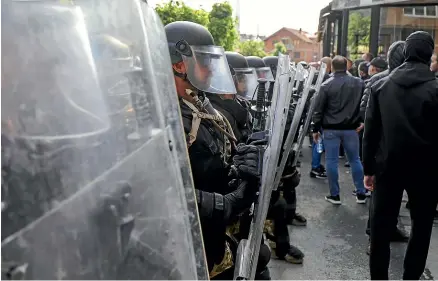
[195,60]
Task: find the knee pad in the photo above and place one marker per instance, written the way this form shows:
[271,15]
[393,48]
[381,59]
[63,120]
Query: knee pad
[264,257]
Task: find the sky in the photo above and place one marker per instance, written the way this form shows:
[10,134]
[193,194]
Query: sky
[264,17]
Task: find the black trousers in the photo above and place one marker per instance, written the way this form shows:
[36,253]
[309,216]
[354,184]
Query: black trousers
[422,190]
[281,233]
[368,230]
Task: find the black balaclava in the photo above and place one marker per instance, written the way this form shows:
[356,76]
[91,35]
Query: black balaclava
[395,55]
[419,47]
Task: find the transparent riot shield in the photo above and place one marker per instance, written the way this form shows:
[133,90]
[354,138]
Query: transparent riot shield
[302,135]
[287,146]
[248,250]
[95,175]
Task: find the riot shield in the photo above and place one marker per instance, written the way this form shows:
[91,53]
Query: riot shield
[248,250]
[302,135]
[287,146]
[95,170]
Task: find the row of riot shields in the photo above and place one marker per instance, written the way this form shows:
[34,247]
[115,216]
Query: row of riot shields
[292,85]
[96,182]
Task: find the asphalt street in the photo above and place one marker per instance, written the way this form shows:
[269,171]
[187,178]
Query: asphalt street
[334,241]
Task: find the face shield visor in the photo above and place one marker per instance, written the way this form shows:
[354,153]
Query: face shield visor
[207,68]
[265,73]
[246,82]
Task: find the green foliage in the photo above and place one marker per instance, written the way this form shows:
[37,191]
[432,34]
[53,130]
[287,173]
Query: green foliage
[178,11]
[252,48]
[219,21]
[222,26]
[280,48]
[358,32]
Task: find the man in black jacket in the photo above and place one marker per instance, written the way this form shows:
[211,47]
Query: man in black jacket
[337,113]
[400,152]
[395,59]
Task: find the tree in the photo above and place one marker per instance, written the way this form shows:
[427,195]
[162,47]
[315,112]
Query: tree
[358,32]
[178,11]
[252,48]
[280,48]
[222,25]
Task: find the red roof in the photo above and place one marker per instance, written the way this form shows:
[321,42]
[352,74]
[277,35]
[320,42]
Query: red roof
[304,36]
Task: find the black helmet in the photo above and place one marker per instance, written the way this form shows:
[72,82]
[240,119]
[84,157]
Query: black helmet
[236,60]
[272,62]
[194,34]
[259,65]
[245,78]
[206,65]
[255,62]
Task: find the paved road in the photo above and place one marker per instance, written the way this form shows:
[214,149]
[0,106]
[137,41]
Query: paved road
[334,240]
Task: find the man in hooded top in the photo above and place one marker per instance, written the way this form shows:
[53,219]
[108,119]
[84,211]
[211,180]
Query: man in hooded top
[395,59]
[400,151]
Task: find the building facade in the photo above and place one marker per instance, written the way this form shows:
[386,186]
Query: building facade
[353,27]
[300,45]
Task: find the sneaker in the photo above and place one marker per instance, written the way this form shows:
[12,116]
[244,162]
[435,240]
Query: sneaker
[318,173]
[299,220]
[294,255]
[399,236]
[347,164]
[336,200]
[361,198]
[298,163]
[367,193]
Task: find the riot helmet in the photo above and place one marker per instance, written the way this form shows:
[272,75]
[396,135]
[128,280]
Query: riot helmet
[245,78]
[72,179]
[272,62]
[260,67]
[206,67]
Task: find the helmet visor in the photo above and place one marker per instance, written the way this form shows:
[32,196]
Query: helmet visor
[208,70]
[246,82]
[265,72]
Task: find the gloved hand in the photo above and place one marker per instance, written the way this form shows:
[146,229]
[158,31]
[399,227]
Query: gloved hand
[248,161]
[239,200]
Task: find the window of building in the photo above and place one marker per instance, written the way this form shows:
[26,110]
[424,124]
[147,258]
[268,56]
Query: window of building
[287,43]
[396,24]
[297,55]
[358,34]
[421,11]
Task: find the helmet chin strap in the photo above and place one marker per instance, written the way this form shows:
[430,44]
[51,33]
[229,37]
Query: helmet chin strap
[183,76]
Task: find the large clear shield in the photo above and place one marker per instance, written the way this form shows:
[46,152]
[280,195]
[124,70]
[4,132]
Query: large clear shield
[248,250]
[96,182]
[297,147]
[307,77]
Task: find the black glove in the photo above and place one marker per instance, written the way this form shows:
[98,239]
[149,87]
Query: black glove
[239,200]
[248,161]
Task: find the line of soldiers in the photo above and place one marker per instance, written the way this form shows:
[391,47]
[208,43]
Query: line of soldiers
[100,106]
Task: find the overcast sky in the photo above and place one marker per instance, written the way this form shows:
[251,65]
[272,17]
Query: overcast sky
[267,16]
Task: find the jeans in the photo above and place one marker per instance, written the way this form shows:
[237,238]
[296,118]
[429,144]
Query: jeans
[350,141]
[316,157]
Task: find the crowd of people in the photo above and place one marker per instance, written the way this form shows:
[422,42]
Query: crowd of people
[384,113]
